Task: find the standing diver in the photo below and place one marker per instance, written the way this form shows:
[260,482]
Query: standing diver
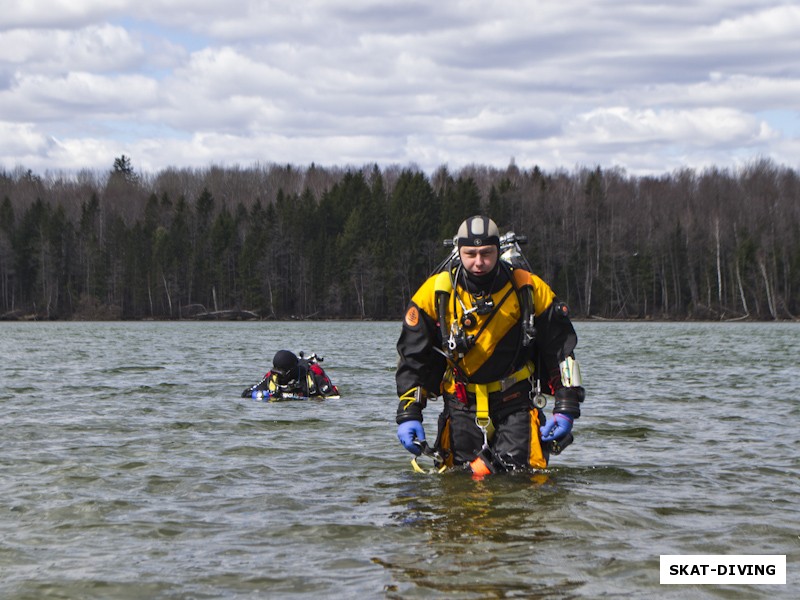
[489,338]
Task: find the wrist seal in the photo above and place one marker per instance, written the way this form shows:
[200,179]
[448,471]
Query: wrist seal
[568,401]
[411,405]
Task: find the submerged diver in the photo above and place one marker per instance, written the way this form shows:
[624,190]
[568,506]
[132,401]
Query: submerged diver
[293,377]
[489,338]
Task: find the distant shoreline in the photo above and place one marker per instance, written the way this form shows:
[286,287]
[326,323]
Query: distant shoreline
[240,317]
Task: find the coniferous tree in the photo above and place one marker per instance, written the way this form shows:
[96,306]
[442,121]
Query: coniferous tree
[7,255]
[356,243]
[202,286]
[415,245]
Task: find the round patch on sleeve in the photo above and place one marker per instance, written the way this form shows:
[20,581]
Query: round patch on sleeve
[412,316]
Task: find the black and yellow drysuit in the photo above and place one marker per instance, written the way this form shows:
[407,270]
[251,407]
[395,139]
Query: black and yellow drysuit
[464,338]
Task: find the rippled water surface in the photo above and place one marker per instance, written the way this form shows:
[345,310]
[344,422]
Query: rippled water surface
[130,468]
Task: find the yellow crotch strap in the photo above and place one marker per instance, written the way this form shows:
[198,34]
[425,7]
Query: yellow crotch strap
[482,419]
[482,391]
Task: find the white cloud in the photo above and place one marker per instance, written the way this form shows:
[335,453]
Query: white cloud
[744,91]
[57,13]
[94,48]
[78,96]
[774,22]
[22,139]
[172,82]
[710,127]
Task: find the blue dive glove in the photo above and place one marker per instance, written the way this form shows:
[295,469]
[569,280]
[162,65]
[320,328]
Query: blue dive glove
[409,431]
[556,427]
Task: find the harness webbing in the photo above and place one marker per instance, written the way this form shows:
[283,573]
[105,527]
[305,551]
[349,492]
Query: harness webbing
[444,289]
[482,391]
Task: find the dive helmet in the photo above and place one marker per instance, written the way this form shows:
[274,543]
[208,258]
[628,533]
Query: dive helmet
[478,231]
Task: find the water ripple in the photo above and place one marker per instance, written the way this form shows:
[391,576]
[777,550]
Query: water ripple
[134,470]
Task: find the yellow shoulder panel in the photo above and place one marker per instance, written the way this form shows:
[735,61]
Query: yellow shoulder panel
[521,278]
[425,296]
[443,283]
[543,295]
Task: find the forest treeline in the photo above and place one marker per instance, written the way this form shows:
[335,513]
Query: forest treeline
[275,241]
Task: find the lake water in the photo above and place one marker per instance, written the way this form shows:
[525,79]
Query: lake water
[131,468]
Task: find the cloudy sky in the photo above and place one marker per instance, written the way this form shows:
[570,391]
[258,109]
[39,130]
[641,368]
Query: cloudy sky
[646,86]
